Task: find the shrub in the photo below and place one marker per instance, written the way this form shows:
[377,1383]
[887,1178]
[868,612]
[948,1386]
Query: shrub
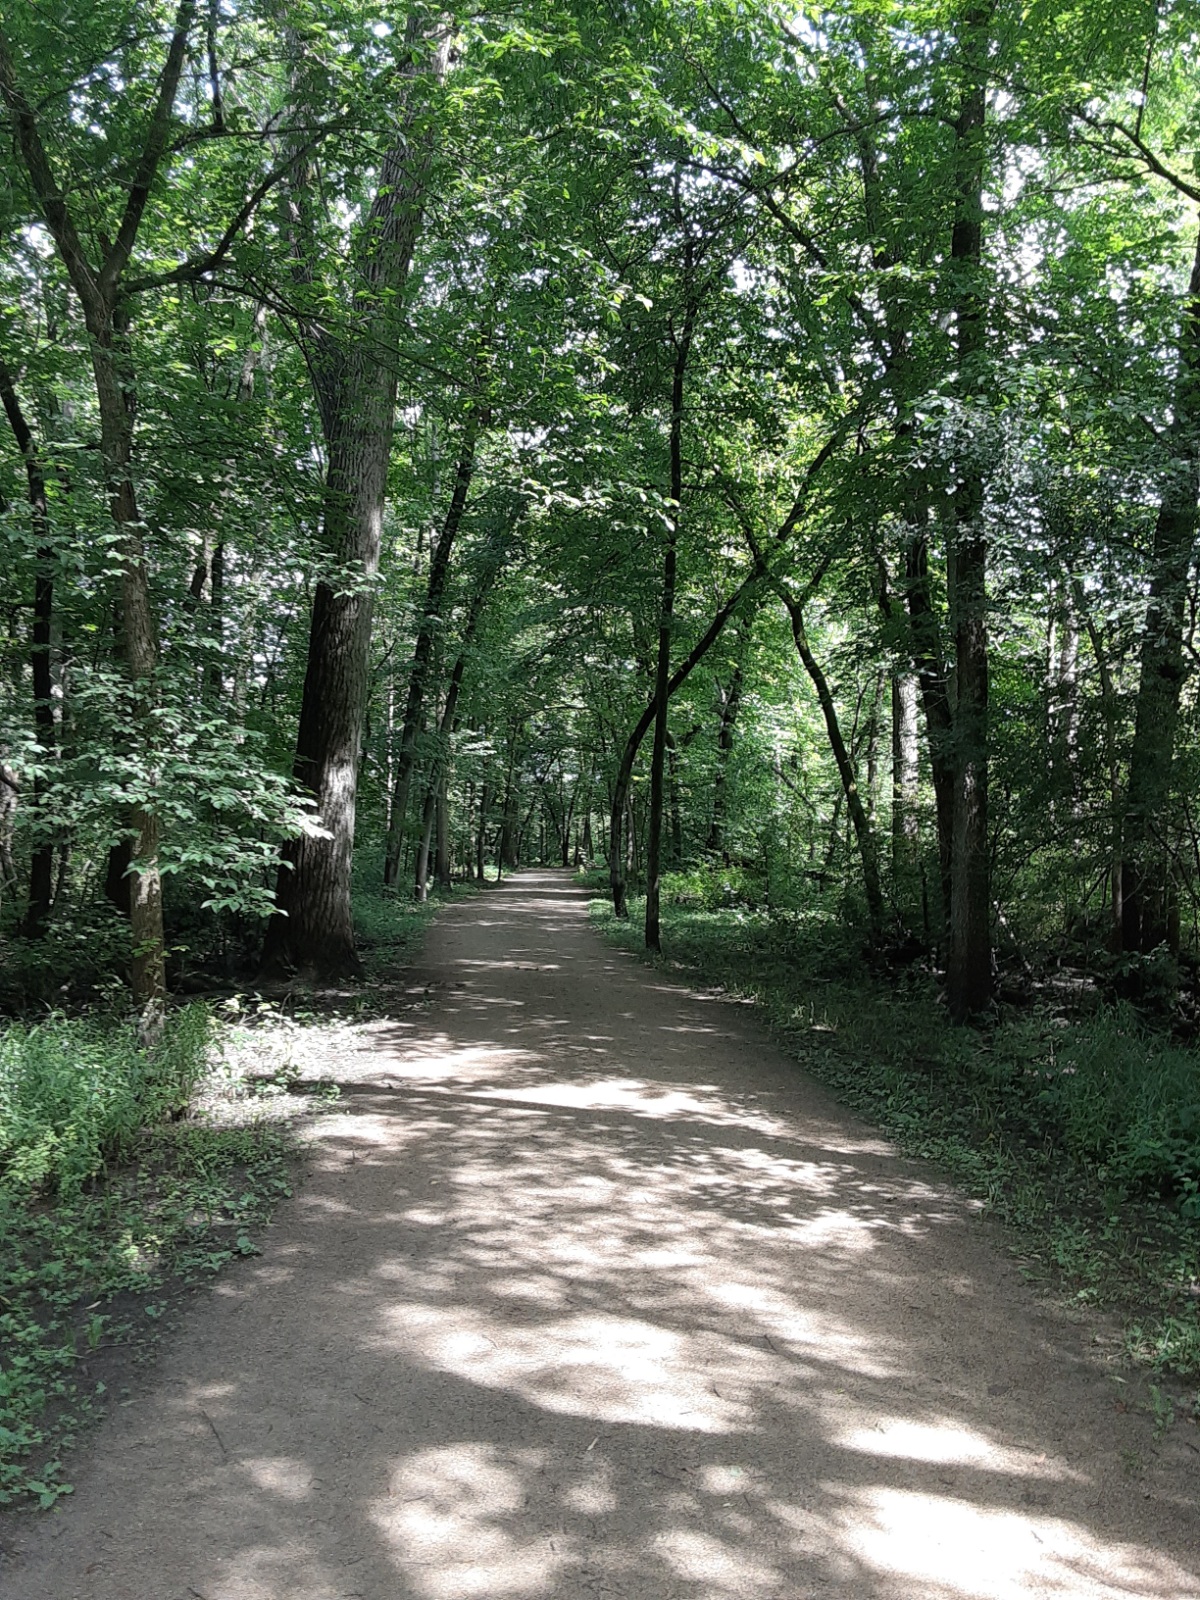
[76,1092]
[1129,1101]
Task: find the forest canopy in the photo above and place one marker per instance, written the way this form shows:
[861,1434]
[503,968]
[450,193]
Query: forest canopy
[751,440]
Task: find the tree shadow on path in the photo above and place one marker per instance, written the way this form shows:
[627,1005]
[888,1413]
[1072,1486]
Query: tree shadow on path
[589,1292]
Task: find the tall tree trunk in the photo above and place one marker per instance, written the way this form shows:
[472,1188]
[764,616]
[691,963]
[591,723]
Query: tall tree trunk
[666,618]
[41,870]
[904,777]
[435,796]
[1146,871]
[863,832]
[969,967]
[730,705]
[874,724]
[933,682]
[674,807]
[427,630]
[629,752]
[485,800]
[312,929]
[355,384]
[1110,711]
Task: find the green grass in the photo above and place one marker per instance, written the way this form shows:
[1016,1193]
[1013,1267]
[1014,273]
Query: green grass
[110,1208]
[127,1177]
[1082,1135]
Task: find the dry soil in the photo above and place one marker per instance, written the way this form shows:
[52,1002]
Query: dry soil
[589,1292]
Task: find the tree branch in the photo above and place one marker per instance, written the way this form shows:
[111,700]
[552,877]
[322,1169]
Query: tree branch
[152,152]
[46,191]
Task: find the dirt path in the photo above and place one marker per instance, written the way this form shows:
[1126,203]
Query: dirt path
[589,1293]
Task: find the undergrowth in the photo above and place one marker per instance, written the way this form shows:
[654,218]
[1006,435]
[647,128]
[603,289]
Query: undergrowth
[127,1177]
[111,1206]
[1081,1133]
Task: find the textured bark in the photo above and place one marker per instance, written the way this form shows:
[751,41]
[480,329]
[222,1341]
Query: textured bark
[1147,920]
[969,965]
[41,869]
[355,387]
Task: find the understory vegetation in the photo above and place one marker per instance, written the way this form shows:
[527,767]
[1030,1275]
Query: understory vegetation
[131,1175]
[1073,1119]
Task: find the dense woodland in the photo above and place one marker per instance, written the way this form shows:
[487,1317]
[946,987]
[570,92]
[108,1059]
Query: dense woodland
[746,452]
[647,436]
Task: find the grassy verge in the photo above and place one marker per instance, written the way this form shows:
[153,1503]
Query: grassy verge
[1082,1134]
[112,1207]
[128,1178]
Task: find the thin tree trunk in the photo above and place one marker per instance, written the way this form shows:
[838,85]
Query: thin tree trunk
[874,723]
[666,622]
[1146,866]
[41,870]
[863,832]
[730,706]
[933,682]
[633,743]
[1110,712]
[969,967]
[99,290]
[427,629]
[905,832]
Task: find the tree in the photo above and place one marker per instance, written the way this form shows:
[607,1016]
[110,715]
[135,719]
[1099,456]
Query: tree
[354,374]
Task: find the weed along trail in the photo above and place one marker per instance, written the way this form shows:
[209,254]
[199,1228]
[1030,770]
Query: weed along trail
[588,1292]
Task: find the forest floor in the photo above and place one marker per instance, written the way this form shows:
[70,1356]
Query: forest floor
[589,1291]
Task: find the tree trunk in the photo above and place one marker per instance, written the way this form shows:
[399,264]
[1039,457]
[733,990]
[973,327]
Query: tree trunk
[427,629]
[41,870]
[100,296]
[932,680]
[674,805]
[1146,871]
[863,832]
[666,620]
[905,828]
[355,385]
[312,930]
[428,810]
[969,967]
[629,753]
[730,705]
[874,722]
[485,800]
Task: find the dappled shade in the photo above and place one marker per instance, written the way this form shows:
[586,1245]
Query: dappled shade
[589,1293]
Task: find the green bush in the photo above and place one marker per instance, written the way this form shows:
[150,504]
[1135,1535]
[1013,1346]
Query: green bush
[76,1092]
[1129,1101]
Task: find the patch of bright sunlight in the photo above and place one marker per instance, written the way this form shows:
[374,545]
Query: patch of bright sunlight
[282,1476]
[947,1443]
[452,1518]
[938,1545]
[642,1099]
[702,1559]
[611,1369]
